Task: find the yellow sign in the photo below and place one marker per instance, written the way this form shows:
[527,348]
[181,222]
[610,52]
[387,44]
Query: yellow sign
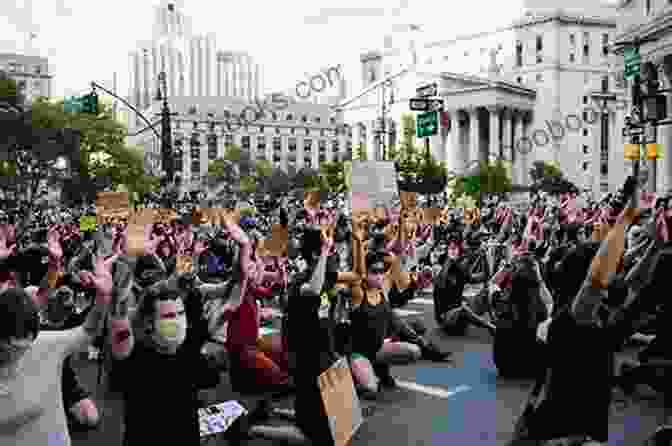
[653,152]
[631,152]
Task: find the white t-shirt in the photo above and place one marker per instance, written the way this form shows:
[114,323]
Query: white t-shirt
[32,414]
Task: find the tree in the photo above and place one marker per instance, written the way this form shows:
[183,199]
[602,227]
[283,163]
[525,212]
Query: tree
[334,176]
[102,144]
[9,91]
[360,153]
[542,169]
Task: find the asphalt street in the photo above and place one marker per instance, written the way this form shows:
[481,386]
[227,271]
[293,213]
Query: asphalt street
[436,404]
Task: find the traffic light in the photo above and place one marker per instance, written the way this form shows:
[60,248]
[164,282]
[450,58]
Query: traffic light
[90,104]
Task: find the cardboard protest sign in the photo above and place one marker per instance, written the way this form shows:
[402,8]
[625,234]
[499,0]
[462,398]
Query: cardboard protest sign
[185,264]
[136,231]
[111,206]
[276,245]
[341,402]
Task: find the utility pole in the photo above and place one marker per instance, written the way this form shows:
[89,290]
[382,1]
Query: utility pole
[166,135]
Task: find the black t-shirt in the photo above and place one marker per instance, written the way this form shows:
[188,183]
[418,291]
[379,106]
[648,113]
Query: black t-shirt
[310,343]
[370,326]
[161,395]
[581,362]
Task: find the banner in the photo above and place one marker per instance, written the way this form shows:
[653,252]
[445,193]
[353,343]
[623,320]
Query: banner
[111,205]
[341,402]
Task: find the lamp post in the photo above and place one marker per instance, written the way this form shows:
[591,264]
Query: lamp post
[166,138]
[604,96]
[381,131]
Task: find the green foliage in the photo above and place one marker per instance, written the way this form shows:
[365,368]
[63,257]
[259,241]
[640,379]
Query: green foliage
[542,169]
[334,176]
[9,91]
[360,153]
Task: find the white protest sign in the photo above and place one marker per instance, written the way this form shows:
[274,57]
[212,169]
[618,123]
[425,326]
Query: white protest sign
[377,180]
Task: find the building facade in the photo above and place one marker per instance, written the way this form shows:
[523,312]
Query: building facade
[649,21]
[302,135]
[555,58]
[193,64]
[31,74]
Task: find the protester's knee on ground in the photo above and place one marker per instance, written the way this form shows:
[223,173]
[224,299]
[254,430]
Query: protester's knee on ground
[363,373]
[86,412]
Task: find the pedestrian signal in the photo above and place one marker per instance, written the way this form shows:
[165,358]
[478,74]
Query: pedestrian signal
[653,152]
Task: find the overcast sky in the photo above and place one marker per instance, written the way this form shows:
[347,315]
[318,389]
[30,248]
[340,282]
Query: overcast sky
[90,39]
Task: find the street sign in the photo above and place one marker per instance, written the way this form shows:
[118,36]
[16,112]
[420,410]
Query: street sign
[632,62]
[427,124]
[422,104]
[427,90]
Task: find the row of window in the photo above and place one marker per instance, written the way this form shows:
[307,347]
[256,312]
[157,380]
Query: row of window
[14,67]
[572,43]
[261,129]
[274,116]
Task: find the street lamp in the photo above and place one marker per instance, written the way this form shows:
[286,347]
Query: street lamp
[166,137]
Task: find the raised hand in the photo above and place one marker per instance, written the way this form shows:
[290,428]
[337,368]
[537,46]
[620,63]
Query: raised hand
[7,245]
[54,244]
[152,241]
[200,246]
[101,279]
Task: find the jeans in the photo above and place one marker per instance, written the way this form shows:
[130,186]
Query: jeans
[389,354]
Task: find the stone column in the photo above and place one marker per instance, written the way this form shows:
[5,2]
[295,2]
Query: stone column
[507,145]
[474,135]
[494,131]
[454,148]
[526,120]
[517,135]
[665,165]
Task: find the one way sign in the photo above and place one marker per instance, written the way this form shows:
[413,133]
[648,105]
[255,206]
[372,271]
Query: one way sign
[424,105]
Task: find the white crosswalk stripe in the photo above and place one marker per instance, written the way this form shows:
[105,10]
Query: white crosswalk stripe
[430,390]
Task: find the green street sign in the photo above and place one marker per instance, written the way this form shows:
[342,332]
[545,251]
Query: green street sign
[632,62]
[73,105]
[427,124]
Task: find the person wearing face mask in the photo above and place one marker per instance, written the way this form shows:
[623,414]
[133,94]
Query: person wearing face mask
[60,314]
[159,374]
[31,402]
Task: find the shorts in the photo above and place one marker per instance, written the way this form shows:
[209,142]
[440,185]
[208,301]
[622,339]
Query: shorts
[73,391]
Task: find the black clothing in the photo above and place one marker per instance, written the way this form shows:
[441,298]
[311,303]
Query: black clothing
[310,344]
[161,395]
[370,324]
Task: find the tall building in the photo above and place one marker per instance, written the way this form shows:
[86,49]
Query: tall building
[192,63]
[31,74]
[648,21]
[302,135]
[509,83]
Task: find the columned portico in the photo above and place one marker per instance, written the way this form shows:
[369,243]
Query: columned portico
[482,115]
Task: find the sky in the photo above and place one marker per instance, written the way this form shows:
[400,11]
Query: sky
[89,40]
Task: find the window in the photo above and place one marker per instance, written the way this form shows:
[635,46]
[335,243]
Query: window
[332,121]
[228,139]
[585,115]
[304,118]
[38,69]
[291,144]
[520,80]
[261,143]
[307,132]
[585,100]
[572,57]
[586,150]
[322,146]
[194,141]
[212,147]
[334,146]
[307,145]
[585,166]
[586,52]
[519,54]
[349,146]
[292,130]
[540,43]
[604,169]
[261,129]
[585,131]
[275,116]
[605,44]
[195,167]
[322,132]
[277,144]
[21,85]
[539,77]
[317,120]
[605,84]
[245,142]
[572,39]
[290,117]
[539,58]
[322,158]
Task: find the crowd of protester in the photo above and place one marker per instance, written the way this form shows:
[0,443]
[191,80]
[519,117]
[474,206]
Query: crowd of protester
[567,282]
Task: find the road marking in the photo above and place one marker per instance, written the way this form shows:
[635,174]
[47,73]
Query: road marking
[401,312]
[422,301]
[433,391]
